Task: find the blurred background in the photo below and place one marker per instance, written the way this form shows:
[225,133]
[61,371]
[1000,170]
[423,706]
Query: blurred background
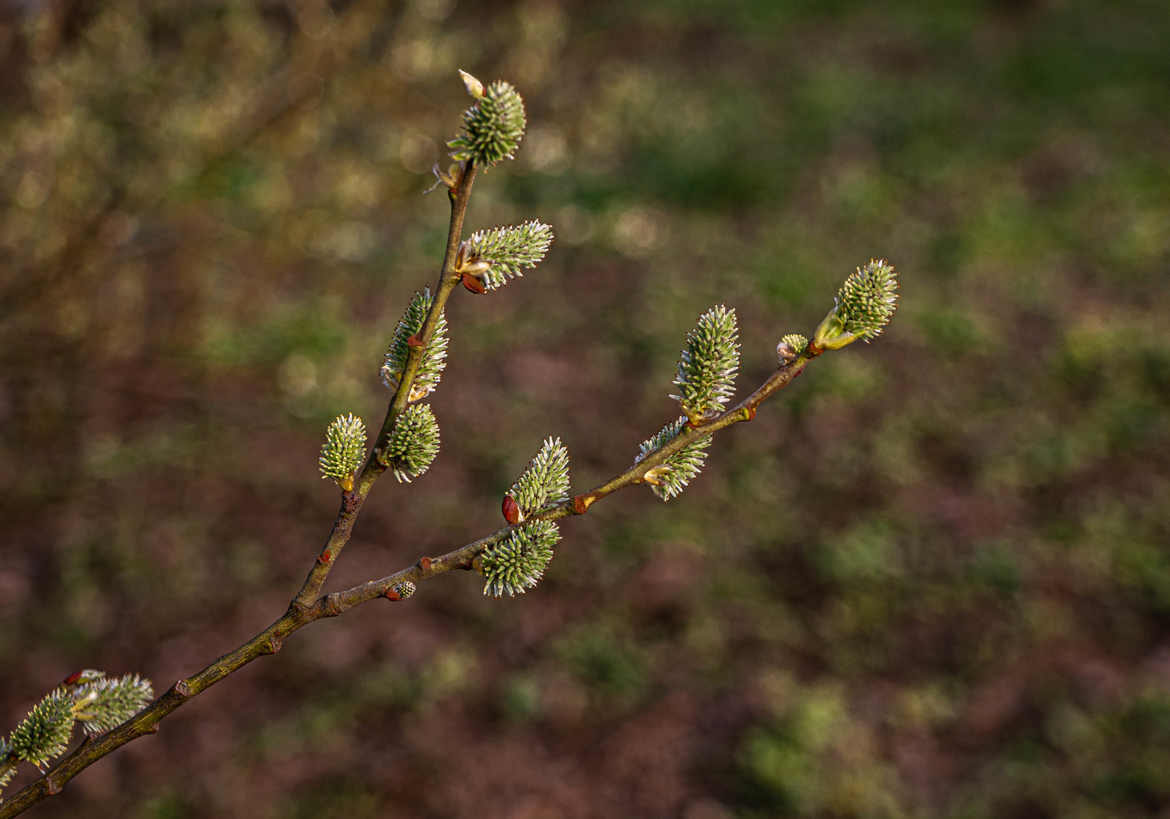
[931,580]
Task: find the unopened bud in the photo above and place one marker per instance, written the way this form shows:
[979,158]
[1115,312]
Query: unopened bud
[473,284]
[418,392]
[790,347]
[400,591]
[511,510]
[474,87]
[655,475]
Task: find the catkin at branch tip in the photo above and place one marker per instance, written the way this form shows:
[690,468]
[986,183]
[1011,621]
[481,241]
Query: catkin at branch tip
[492,127]
[867,300]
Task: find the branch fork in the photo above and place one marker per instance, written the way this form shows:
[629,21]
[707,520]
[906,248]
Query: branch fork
[514,557]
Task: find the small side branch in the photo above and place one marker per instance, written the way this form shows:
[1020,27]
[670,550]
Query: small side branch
[352,501]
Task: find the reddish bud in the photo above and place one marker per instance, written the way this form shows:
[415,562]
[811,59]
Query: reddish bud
[581,504]
[474,284]
[73,678]
[392,595]
[424,563]
[512,512]
[324,557]
[414,341]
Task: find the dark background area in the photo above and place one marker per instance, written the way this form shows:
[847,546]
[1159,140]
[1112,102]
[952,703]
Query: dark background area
[932,579]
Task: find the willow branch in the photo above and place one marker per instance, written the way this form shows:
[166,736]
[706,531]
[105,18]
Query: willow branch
[308,606]
[464,556]
[147,721]
[351,501]
[297,617]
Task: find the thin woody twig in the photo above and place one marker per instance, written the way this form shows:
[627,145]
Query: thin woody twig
[863,306]
[272,638]
[352,501]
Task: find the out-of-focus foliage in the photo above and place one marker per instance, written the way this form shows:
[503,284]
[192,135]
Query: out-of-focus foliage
[930,580]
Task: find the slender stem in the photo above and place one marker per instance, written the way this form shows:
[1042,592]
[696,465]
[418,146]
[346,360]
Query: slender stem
[308,606]
[297,617]
[462,558]
[745,410]
[352,501]
[459,194]
[146,721]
